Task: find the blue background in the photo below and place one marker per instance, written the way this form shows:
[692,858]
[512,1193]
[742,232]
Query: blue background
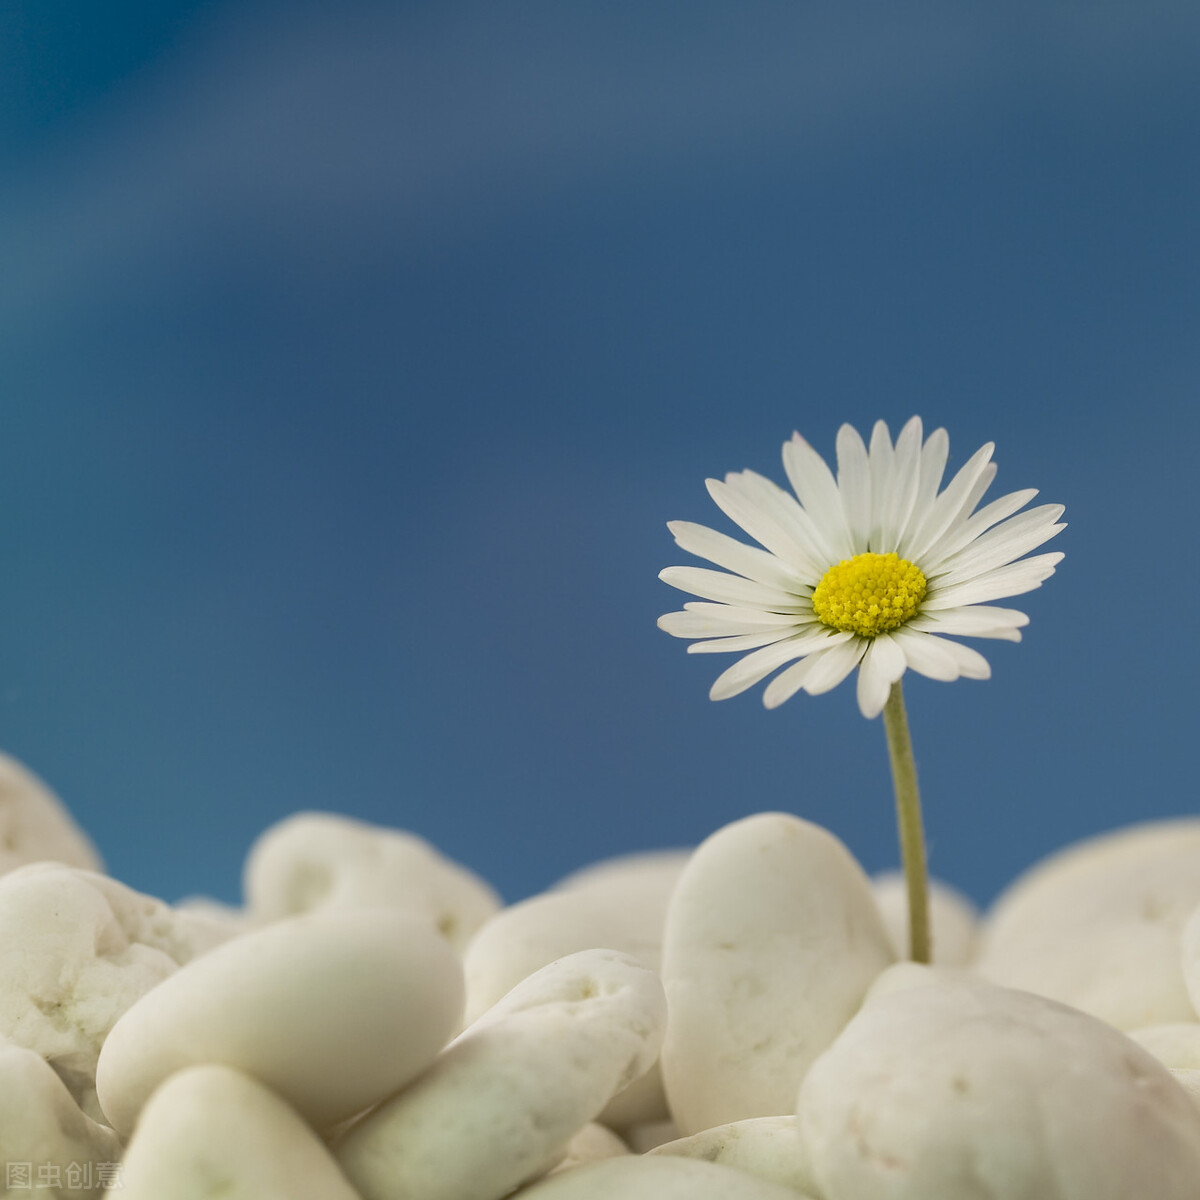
[354,357]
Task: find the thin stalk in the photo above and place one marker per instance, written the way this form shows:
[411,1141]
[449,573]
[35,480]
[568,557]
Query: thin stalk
[908,818]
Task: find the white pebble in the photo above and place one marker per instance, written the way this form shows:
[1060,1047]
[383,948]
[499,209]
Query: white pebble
[210,1132]
[79,949]
[1098,925]
[644,1178]
[953,919]
[35,825]
[769,1147]
[318,860]
[43,1127]
[332,1010]
[592,1143]
[522,939]
[1176,1044]
[501,1104]
[962,1089]
[772,938]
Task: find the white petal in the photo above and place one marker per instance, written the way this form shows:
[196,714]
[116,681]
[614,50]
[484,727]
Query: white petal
[882,665]
[882,456]
[814,484]
[971,664]
[731,554]
[967,531]
[854,484]
[933,466]
[927,655]
[834,666]
[744,641]
[764,526]
[1012,580]
[732,589]
[977,620]
[902,494]
[726,621]
[746,672]
[788,512]
[950,503]
[754,617]
[1000,546]
[787,683]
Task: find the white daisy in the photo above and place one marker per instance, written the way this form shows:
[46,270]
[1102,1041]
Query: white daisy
[876,569]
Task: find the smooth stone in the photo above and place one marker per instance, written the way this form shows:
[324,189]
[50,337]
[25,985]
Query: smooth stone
[964,1090]
[79,950]
[641,1139]
[42,1126]
[1189,962]
[35,825]
[953,919]
[769,1147]
[1176,1044]
[593,1143]
[332,1010]
[1098,925]
[314,860]
[646,877]
[501,1104]
[1188,1078]
[211,1133]
[644,1178]
[773,936]
[522,939]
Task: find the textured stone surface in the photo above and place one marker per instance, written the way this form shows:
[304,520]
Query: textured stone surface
[332,1010]
[502,1103]
[772,938]
[522,939]
[963,1090]
[78,950]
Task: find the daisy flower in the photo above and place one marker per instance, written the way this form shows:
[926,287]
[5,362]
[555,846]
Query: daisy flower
[878,568]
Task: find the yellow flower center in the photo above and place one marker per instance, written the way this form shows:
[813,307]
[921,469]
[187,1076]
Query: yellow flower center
[869,594]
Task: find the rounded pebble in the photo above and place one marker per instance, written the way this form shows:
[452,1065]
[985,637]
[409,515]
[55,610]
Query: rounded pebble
[1098,925]
[316,860]
[501,1104]
[42,1126]
[963,1090]
[35,826]
[953,919]
[522,939]
[79,949]
[332,1010]
[772,938]
[212,1133]
[769,1147]
[655,1179]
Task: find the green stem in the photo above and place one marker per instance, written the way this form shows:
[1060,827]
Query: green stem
[908,817]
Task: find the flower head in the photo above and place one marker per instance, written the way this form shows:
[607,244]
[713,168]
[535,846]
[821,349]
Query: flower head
[876,568]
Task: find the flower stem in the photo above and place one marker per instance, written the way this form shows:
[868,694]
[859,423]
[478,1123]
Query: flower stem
[908,818]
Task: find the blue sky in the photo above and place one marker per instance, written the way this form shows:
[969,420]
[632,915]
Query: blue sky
[356,356]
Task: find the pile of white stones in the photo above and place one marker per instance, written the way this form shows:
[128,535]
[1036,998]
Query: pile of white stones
[731,1024]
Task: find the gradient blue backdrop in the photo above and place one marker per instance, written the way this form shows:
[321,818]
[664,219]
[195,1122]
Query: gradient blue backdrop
[354,357]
